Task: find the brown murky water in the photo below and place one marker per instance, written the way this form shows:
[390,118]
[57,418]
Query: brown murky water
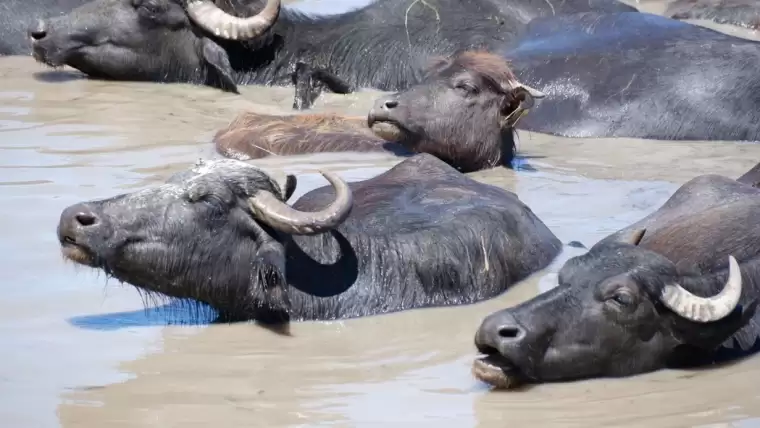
[79,351]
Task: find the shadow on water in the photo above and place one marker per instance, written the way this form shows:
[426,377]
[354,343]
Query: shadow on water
[58,76]
[177,312]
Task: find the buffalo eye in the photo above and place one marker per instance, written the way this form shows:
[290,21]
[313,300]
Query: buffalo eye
[623,298]
[466,88]
[151,7]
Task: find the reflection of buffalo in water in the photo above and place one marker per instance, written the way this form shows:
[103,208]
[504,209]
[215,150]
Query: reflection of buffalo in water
[743,13]
[638,75]
[463,113]
[382,45]
[670,289]
[419,235]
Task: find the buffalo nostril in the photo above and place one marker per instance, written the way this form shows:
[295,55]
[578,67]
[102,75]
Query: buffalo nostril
[38,34]
[85,219]
[509,332]
[390,104]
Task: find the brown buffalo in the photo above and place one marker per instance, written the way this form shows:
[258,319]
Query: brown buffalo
[463,112]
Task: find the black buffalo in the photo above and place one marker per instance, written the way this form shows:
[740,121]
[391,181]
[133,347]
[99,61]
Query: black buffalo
[421,234]
[463,112]
[638,75]
[743,13]
[17,16]
[382,45]
[677,288]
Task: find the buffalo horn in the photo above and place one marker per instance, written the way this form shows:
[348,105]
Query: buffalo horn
[706,309]
[533,92]
[208,16]
[271,210]
[527,97]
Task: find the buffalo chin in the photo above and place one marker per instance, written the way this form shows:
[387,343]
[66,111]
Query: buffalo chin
[496,371]
[54,61]
[389,131]
[78,254]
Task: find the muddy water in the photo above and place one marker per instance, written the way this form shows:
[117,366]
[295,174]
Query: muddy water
[80,351]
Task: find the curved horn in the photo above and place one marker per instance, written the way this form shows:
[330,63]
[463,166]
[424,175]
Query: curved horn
[209,17]
[277,214]
[706,309]
[533,92]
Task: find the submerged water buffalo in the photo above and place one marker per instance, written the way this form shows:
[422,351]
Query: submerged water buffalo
[421,234]
[638,75]
[381,45]
[17,16]
[464,113]
[677,288]
[743,13]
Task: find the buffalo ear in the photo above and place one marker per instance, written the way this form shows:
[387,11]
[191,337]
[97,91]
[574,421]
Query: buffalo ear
[635,237]
[218,65]
[289,187]
[268,284]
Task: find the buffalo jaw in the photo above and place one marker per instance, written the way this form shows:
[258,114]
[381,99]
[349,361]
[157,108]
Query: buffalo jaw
[496,371]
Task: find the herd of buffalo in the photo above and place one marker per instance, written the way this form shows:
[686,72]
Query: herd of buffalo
[677,289]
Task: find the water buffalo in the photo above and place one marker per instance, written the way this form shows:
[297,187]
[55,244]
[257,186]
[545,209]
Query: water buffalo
[381,45]
[463,113]
[16,16]
[419,235]
[638,75]
[678,288]
[743,13]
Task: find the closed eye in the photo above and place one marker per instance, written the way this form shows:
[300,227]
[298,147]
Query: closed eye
[466,88]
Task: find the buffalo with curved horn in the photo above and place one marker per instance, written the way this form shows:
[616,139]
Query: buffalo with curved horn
[421,234]
[678,288]
[226,43]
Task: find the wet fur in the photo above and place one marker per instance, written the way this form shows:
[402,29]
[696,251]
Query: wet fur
[254,135]
[383,45]
[638,75]
[743,13]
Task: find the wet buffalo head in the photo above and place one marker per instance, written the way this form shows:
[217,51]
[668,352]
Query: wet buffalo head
[618,310]
[213,233]
[151,40]
[463,112]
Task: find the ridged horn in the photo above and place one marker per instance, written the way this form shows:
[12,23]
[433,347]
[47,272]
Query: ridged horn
[209,17]
[271,210]
[706,309]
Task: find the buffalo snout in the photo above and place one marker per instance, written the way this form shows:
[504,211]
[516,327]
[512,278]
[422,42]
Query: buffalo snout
[388,119]
[500,331]
[385,104]
[76,224]
[38,30]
